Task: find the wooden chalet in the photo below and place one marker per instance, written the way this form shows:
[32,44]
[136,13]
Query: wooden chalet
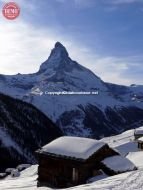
[69,161]
[138,133]
[140,143]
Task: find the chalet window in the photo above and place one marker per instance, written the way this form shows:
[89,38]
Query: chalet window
[74,174]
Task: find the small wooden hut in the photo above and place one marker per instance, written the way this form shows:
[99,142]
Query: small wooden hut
[69,161]
[140,143]
[138,133]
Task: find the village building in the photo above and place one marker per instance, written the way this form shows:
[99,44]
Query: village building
[2,175]
[138,133]
[140,143]
[69,161]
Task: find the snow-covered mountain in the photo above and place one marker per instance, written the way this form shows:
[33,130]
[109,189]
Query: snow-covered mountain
[114,109]
[23,129]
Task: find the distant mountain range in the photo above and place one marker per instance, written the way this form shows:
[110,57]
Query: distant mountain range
[115,109]
[23,129]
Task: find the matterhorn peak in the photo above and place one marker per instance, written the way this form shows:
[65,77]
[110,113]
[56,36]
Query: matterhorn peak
[59,50]
[58,58]
[59,45]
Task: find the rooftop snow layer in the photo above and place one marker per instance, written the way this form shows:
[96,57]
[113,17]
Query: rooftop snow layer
[136,158]
[119,163]
[139,130]
[76,147]
[140,139]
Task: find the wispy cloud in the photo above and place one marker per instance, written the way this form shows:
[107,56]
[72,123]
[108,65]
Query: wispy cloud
[120,70]
[80,3]
[119,2]
[61,1]
[23,48]
[26,5]
[125,70]
[85,3]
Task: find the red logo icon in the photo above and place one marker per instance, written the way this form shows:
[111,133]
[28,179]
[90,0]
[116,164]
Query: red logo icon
[11,10]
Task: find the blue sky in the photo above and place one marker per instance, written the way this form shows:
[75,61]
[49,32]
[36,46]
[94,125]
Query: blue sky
[103,35]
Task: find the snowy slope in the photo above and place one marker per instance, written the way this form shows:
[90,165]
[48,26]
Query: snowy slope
[127,181]
[109,112]
[123,143]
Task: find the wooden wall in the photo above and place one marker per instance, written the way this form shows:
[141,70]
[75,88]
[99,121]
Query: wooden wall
[137,136]
[140,145]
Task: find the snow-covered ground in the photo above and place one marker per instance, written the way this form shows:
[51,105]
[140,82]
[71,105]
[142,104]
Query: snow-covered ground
[133,180]
[123,143]
[27,181]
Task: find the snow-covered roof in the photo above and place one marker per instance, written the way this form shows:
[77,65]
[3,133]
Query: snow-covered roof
[23,166]
[75,147]
[118,163]
[140,139]
[136,158]
[139,131]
